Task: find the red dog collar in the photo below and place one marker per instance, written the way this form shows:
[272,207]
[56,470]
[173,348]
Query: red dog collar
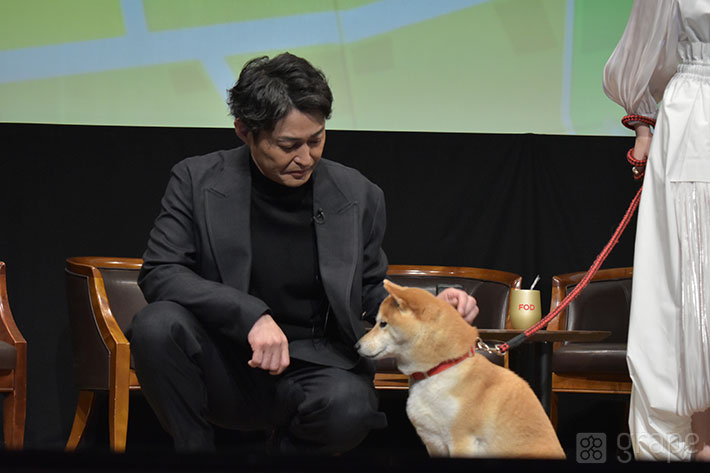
[418,376]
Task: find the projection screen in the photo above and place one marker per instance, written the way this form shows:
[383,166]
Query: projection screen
[483,66]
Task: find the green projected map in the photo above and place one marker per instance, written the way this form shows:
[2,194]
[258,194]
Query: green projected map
[484,66]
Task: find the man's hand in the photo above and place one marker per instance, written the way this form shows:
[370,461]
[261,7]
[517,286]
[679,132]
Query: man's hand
[462,302]
[269,346]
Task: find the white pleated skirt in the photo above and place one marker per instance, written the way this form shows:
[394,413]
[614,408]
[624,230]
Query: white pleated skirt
[669,333]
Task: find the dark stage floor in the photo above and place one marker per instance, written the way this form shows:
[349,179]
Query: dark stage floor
[394,449]
[393,462]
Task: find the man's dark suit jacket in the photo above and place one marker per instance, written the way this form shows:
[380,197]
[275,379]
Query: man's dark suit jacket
[199,251]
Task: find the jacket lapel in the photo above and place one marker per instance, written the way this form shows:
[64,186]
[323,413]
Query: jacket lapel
[335,219]
[227,207]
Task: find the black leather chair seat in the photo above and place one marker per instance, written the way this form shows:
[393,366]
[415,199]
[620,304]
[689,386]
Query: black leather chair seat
[590,358]
[8,356]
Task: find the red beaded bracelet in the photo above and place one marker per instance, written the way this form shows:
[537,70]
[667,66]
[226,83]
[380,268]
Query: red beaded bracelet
[629,119]
[633,161]
[638,166]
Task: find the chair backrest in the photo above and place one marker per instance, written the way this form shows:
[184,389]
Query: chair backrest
[102,297]
[123,293]
[603,305]
[491,288]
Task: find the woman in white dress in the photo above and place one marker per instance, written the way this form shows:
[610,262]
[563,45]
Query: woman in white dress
[664,53]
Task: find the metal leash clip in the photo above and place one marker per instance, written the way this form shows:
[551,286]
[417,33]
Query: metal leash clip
[481,345]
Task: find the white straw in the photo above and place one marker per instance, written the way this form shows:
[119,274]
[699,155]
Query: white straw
[537,278]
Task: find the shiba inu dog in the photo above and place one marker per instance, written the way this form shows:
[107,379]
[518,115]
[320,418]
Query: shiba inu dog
[460,403]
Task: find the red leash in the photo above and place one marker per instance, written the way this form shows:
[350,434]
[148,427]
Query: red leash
[518,339]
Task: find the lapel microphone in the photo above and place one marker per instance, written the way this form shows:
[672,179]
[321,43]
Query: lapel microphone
[319,217]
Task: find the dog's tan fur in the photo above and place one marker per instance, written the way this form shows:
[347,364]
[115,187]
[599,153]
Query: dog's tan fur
[473,409]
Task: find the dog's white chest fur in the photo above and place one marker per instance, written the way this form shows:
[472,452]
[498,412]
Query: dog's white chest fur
[432,409]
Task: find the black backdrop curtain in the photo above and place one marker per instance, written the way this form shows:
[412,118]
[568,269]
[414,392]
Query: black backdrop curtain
[528,204]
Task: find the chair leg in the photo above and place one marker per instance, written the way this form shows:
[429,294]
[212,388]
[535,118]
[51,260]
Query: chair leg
[118,419]
[81,418]
[14,420]
[553,409]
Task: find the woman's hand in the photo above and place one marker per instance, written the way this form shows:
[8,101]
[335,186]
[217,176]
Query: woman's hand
[643,142]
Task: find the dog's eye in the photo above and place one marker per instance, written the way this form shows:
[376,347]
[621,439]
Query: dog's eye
[383,324]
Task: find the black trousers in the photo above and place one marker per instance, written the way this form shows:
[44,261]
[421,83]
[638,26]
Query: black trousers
[193,380]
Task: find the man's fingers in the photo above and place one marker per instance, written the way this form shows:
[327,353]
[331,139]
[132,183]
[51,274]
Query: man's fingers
[274,359]
[452,298]
[471,305]
[471,316]
[261,359]
[257,357]
[285,358]
[268,363]
[471,310]
[461,302]
[280,361]
[450,295]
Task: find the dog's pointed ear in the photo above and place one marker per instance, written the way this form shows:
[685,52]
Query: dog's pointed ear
[396,292]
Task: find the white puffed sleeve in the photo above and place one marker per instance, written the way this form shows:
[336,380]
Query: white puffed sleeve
[645,59]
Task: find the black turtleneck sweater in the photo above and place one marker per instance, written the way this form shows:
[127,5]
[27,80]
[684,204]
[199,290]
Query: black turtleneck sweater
[284,270]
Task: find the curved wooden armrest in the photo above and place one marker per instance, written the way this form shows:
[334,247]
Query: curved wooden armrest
[89,266]
[8,329]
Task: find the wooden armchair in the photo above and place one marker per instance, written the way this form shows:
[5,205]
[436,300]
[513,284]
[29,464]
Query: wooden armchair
[490,287]
[603,305]
[13,371]
[103,296]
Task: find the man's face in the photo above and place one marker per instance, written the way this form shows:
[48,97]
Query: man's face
[288,154]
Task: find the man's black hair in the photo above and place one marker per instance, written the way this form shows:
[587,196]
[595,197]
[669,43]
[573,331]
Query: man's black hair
[268,89]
